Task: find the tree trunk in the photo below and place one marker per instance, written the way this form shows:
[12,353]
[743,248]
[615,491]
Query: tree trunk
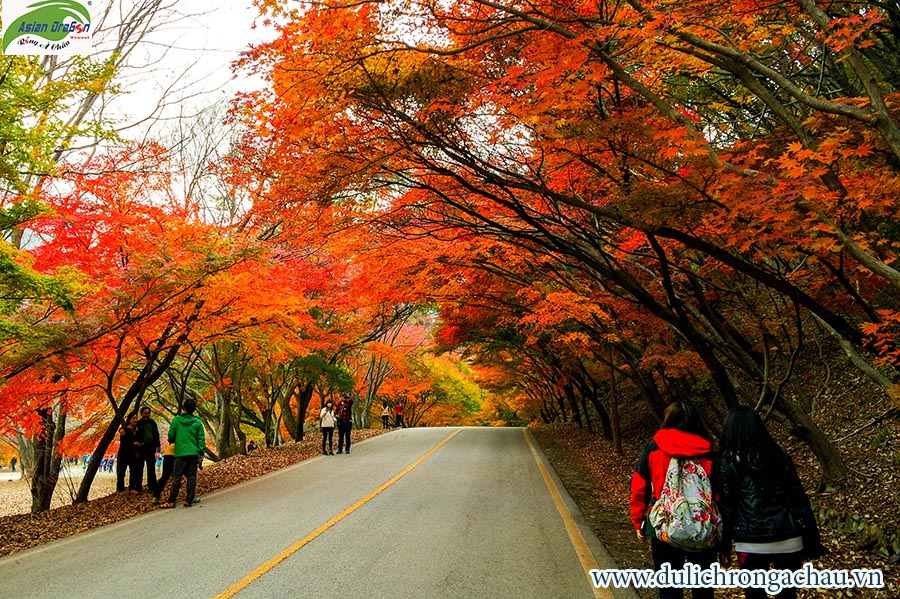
[47,460]
[304,396]
[290,420]
[834,470]
[26,455]
[226,444]
[576,413]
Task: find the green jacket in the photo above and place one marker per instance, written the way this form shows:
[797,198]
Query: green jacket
[186,432]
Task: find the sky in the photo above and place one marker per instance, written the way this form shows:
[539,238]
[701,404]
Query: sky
[185,64]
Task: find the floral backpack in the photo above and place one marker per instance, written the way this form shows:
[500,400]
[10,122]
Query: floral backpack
[685,516]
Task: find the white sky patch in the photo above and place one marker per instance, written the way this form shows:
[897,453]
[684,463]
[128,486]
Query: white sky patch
[184,64]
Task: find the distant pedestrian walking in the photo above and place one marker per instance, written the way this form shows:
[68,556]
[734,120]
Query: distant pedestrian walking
[398,413]
[385,415]
[146,442]
[344,413]
[12,463]
[327,420]
[126,456]
[186,432]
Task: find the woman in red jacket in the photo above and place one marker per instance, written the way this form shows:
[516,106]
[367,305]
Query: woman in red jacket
[680,435]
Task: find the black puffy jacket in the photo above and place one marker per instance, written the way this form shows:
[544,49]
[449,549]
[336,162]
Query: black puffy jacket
[766,504]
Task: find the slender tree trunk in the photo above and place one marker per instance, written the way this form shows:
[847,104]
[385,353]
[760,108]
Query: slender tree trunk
[291,422]
[576,413]
[47,460]
[834,470]
[614,406]
[26,455]
[226,445]
[304,396]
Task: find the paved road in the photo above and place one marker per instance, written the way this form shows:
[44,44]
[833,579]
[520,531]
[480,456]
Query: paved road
[416,513]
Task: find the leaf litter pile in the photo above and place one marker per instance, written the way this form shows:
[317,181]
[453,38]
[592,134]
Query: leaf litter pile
[21,531]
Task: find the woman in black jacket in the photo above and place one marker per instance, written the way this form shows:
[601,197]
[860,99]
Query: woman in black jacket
[763,505]
[127,456]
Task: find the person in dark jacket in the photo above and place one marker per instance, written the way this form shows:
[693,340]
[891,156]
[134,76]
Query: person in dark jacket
[186,432]
[344,414]
[763,504]
[146,442]
[127,456]
[680,435]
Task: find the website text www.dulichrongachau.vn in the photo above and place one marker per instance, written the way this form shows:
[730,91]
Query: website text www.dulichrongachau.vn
[772,581]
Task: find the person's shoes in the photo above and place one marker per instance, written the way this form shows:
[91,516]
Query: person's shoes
[166,506]
[347,452]
[340,452]
[330,453]
[187,504]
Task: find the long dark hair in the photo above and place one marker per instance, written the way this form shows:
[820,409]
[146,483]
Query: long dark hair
[746,440]
[684,417]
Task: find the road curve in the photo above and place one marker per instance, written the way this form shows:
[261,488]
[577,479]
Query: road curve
[416,513]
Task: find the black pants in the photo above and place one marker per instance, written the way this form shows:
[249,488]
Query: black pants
[185,466]
[328,435]
[168,467]
[763,561]
[399,420]
[146,459]
[344,436]
[126,463]
[663,552]
[385,421]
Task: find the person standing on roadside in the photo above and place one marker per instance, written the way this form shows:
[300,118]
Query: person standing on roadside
[12,464]
[385,415]
[344,415]
[146,442]
[126,456]
[186,432]
[398,413]
[327,421]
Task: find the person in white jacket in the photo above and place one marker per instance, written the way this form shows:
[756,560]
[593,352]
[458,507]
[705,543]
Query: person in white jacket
[326,423]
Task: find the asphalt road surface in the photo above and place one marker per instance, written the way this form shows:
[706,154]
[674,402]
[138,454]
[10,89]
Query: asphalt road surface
[416,513]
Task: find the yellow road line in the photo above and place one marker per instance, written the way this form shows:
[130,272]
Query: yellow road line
[246,580]
[588,562]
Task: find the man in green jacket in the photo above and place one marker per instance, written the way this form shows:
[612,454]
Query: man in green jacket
[186,432]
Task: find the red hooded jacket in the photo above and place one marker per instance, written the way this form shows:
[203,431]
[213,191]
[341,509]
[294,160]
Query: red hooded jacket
[650,473]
